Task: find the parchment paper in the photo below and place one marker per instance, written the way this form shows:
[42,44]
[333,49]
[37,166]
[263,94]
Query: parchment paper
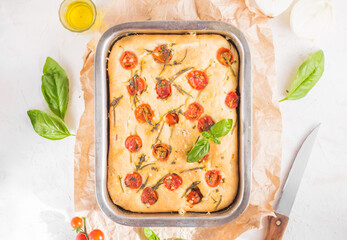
[266,115]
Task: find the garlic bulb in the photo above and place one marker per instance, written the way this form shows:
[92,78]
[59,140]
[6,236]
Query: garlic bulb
[273,8]
[309,19]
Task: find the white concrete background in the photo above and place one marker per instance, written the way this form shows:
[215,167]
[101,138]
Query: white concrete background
[36,175]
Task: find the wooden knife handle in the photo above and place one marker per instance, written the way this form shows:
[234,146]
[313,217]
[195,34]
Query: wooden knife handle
[277,227]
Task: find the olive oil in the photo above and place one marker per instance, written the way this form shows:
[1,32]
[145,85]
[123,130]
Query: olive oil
[77,15]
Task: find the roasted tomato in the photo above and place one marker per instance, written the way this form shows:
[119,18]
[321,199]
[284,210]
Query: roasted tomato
[96,234]
[133,143]
[197,79]
[149,196]
[223,54]
[194,111]
[162,53]
[76,222]
[203,159]
[163,89]
[172,181]
[171,118]
[205,123]
[213,178]
[194,196]
[128,60]
[136,85]
[232,100]
[161,151]
[133,180]
[144,113]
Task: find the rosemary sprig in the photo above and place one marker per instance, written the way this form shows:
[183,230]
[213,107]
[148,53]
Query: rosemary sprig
[146,165]
[193,185]
[161,129]
[214,200]
[181,90]
[192,169]
[155,127]
[143,185]
[142,160]
[179,73]
[179,62]
[120,182]
[160,182]
[114,104]
[229,63]
[220,200]
[165,63]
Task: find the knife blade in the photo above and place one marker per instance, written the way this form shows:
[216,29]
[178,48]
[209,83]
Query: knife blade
[279,223]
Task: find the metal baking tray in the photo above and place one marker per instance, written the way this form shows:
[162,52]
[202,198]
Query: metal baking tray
[172,219]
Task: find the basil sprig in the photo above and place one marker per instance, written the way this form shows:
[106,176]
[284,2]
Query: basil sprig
[202,147]
[150,235]
[307,76]
[55,89]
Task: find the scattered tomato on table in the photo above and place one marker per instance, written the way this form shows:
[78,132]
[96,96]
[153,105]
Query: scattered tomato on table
[79,225]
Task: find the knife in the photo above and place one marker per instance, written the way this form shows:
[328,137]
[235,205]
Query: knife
[278,223]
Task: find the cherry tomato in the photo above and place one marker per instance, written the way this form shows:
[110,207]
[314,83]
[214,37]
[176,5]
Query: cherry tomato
[136,85]
[81,236]
[133,143]
[163,89]
[232,100]
[194,196]
[203,159]
[194,111]
[171,118]
[143,112]
[128,60]
[224,53]
[76,222]
[96,234]
[172,181]
[197,79]
[161,151]
[161,53]
[213,178]
[133,180]
[149,196]
[205,123]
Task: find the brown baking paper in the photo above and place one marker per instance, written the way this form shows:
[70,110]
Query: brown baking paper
[266,115]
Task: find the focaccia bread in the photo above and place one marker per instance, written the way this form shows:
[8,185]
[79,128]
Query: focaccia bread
[164,90]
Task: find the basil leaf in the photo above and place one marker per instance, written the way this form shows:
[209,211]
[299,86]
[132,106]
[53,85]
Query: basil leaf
[308,75]
[206,135]
[200,149]
[221,128]
[48,126]
[55,87]
[150,235]
[215,140]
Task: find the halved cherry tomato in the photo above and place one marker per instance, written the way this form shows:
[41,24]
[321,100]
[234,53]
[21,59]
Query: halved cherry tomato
[96,234]
[232,100]
[149,196]
[194,111]
[163,89]
[171,118]
[213,178]
[197,79]
[161,53]
[224,53]
[76,222]
[128,60]
[133,143]
[203,159]
[161,151]
[81,236]
[144,113]
[136,85]
[172,181]
[205,123]
[194,196]
[133,180]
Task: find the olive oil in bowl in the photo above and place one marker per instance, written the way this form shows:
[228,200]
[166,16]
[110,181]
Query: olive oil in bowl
[77,15]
